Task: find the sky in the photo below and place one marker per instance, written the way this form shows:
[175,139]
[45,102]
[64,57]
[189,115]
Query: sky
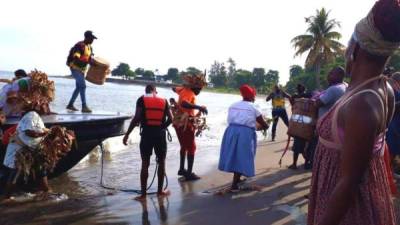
[159,34]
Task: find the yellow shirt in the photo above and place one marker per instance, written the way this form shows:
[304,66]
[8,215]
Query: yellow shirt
[278,101]
[83,53]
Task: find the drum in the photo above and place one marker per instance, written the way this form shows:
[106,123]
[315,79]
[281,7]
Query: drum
[98,71]
[304,119]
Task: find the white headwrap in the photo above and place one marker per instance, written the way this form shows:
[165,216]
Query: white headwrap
[371,40]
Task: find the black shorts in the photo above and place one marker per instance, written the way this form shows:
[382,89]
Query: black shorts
[156,142]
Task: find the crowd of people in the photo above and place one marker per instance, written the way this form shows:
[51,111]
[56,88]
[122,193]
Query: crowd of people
[356,134]
[351,180]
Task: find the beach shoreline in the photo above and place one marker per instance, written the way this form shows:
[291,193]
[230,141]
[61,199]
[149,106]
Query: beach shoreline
[280,199]
[157,84]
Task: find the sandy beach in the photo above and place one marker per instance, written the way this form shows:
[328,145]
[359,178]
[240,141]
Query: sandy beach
[279,200]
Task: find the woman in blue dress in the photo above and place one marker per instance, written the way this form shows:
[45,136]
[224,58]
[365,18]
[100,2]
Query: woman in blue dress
[239,143]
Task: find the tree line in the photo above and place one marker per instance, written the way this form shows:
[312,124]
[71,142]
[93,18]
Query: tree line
[324,52]
[221,76]
[228,77]
[320,42]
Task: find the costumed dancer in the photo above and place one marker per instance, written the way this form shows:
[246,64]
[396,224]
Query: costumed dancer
[349,181]
[278,108]
[154,116]
[238,148]
[184,123]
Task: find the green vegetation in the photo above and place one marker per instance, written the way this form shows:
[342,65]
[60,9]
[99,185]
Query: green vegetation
[224,79]
[124,71]
[229,78]
[320,41]
[306,77]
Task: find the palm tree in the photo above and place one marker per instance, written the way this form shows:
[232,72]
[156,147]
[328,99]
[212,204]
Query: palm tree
[320,41]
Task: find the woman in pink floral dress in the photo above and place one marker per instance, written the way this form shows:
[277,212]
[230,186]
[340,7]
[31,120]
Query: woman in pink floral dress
[349,183]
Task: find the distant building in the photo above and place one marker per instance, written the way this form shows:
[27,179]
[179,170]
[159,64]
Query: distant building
[210,85]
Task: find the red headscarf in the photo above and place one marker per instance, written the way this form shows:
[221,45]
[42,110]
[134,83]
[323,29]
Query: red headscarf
[247,92]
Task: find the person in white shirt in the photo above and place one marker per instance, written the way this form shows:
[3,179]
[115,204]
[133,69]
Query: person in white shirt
[30,132]
[239,143]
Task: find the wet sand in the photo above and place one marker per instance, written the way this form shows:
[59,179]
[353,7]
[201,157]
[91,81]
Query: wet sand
[280,200]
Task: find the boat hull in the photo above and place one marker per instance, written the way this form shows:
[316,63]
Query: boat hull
[90,130]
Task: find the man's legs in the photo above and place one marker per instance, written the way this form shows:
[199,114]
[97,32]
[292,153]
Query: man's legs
[81,82]
[275,117]
[312,145]
[80,89]
[160,149]
[190,159]
[146,148]
[180,135]
[144,174]
[75,74]
[298,148]
[190,145]
[182,170]
[284,117]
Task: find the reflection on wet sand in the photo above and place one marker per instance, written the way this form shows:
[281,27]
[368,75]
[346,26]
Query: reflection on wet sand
[160,209]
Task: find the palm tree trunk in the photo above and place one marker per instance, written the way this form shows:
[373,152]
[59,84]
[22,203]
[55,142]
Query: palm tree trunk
[317,75]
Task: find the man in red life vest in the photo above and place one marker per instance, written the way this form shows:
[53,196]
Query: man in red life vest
[154,116]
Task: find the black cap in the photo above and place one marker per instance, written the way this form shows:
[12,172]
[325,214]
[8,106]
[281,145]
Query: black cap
[89,34]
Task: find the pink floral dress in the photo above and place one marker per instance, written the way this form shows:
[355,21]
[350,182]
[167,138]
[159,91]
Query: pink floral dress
[372,204]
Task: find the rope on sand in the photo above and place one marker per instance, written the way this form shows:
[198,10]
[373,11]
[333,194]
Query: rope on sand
[284,152]
[137,191]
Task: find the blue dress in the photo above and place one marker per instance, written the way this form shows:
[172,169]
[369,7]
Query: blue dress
[238,150]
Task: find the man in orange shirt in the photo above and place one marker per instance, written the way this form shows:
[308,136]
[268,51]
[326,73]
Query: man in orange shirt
[186,130]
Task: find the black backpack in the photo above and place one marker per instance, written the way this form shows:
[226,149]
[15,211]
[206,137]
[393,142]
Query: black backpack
[77,47]
[70,57]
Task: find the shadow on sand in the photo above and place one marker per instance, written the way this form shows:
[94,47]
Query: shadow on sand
[280,201]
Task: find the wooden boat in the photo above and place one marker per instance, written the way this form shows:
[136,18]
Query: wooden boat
[90,129]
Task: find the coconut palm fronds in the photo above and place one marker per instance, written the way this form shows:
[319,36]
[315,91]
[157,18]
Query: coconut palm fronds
[40,93]
[56,144]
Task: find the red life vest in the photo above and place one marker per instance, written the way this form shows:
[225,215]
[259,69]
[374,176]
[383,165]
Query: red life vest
[154,108]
